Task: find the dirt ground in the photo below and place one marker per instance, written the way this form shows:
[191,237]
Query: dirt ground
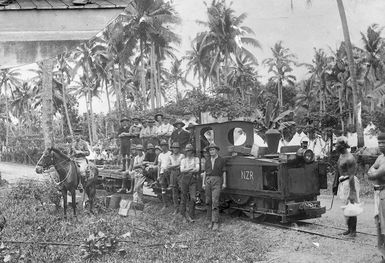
[281,245]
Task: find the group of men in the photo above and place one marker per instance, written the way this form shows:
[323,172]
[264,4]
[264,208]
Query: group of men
[150,131]
[164,155]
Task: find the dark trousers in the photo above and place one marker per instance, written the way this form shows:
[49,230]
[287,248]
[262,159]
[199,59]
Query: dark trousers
[174,185]
[188,186]
[213,190]
[125,152]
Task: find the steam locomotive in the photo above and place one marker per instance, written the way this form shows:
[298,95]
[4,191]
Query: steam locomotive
[261,181]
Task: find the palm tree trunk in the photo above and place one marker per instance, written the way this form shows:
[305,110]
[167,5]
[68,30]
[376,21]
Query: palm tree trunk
[152,78]
[341,108]
[123,91]
[93,127]
[47,103]
[65,103]
[117,93]
[280,100]
[176,90]
[158,90]
[108,96]
[6,115]
[352,69]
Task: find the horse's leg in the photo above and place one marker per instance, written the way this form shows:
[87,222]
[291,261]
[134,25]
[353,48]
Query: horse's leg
[91,191]
[73,195]
[64,194]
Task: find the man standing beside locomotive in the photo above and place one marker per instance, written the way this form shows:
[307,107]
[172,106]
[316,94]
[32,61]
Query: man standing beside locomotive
[125,144]
[174,168]
[376,173]
[347,169]
[214,180]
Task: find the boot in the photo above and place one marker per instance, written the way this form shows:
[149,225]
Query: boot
[124,165]
[131,187]
[353,226]
[123,190]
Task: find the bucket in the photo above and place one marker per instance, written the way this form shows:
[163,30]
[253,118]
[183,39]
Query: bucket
[114,201]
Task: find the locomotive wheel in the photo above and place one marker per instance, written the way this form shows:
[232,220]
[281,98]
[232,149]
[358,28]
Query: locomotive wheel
[239,199]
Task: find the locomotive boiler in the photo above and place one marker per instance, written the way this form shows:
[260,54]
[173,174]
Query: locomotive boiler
[261,181]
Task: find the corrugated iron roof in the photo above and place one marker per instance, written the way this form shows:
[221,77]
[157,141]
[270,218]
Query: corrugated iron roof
[62,4]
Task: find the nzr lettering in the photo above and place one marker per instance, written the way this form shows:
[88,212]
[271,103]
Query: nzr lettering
[247,175]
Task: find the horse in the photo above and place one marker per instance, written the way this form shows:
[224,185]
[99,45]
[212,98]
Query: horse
[69,176]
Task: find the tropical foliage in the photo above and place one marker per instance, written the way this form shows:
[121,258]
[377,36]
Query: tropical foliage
[134,63]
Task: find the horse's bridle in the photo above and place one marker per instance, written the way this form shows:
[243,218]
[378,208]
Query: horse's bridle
[51,157]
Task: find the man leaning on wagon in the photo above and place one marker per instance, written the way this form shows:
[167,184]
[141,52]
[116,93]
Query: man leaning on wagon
[376,173]
[214,180]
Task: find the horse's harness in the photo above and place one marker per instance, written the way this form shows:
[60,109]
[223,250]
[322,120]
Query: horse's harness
[68,173]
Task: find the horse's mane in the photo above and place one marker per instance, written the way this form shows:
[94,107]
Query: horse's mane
[60,153]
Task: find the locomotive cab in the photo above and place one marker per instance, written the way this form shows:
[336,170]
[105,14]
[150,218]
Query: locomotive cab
[261,181]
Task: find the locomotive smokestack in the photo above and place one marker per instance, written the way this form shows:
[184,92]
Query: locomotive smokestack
[272,139]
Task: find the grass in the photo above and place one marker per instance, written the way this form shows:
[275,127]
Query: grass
[152,236]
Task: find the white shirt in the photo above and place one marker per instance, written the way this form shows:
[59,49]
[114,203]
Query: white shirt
[138,160]
[165,129]
[163,161]
[189,163]
[175,159]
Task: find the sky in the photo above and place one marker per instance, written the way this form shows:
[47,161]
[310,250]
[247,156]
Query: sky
[301,28]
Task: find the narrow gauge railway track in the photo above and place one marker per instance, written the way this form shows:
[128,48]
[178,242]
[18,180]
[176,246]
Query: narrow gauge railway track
[316,233]
[300,223]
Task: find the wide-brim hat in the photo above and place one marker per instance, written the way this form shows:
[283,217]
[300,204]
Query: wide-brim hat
[124,119]
[133,146]
[150,146]
[139,147]
[151,121]
[163,142]
[189,147]
[158,114]
[157,147]
[179,122]
[175,145]
[213,145]
[136,118]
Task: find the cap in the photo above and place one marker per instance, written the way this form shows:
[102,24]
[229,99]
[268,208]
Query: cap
[124,119]
[213,145]
[163,142]
[175,145]
[189,147]
[139,147]
[150,146]
[158,114]
[179,122]
[157,147]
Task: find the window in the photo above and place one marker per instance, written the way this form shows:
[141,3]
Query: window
[237,136]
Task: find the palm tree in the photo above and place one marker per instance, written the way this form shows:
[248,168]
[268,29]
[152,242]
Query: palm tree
[352,69]
[149,22]
[281,65]
[9,79]
[85,56]
[243,76]
[65,78]
[47,103]
[226,35]
[177,75]
[22,104]
[319,71]
[373,43]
